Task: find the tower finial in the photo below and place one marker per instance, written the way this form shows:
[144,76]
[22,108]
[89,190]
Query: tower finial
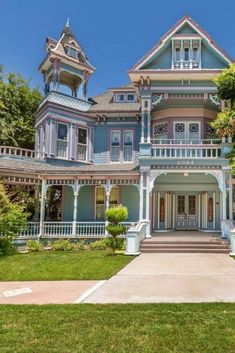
[67,23]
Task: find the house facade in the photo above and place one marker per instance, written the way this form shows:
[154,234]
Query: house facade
[148,145]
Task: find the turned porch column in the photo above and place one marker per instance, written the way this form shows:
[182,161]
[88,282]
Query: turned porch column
[44,189]
[141,192]
[76,189]
[107,201]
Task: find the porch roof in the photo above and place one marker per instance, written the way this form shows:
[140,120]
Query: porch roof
[59,167]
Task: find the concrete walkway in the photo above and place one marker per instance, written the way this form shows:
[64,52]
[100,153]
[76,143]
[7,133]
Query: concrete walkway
[175,278]
[45,292]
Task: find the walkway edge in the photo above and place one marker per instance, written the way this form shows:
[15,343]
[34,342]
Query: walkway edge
[89,292]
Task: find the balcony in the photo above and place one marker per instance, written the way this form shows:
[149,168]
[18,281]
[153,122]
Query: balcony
[66,100]
[186,64]
[168,148]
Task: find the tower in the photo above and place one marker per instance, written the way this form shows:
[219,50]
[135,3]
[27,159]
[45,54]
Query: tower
[65,64]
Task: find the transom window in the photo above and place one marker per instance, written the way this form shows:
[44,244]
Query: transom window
[62,140]
[82,144]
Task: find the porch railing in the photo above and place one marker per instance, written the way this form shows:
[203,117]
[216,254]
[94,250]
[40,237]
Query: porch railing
[20,152]
[65,230]
[186,148]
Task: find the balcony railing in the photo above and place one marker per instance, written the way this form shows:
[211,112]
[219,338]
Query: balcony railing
[186,148]
[186,64]
[62,230]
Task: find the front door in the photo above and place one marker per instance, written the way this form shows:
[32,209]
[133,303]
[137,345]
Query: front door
[186,211]
[187,132]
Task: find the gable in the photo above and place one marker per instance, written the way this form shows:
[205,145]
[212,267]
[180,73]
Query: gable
[160,56]
[186,29]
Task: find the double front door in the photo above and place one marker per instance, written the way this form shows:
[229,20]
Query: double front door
[186,211]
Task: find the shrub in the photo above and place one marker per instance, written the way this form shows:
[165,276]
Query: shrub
[115,216]
[100,244]
[81,245]
[62,245]
[34,246]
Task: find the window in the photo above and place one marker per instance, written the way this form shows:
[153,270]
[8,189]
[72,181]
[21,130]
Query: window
[131,97]
[72,52]
[115,146]
[177,54]
[113,200]
[120,97]
[100,203]
[44,138]
[195,53]
[186,54]
[62,140]
[162,209]
[210,209]
[127,146]
[82,144]
[100,198]
[160,131]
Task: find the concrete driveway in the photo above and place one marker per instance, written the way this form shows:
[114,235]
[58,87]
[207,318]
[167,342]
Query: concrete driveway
[175,278]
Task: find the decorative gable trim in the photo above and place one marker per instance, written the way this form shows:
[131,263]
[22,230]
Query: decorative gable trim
[171,32]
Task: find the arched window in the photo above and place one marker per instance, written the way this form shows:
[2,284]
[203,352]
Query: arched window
[210,209]
[162,209]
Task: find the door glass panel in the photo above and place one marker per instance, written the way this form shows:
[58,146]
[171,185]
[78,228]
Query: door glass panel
[179,132]
[191,204]
[181,205]
[194,132]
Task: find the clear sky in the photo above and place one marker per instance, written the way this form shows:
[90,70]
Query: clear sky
[113,33]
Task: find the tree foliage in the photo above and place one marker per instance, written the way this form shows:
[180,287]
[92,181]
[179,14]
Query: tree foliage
[12,219]
[224,124]
[115,216]
[226,84]
[18,103]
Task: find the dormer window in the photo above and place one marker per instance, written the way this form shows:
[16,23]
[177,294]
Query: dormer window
[186,53]
[72,52]
[125,97]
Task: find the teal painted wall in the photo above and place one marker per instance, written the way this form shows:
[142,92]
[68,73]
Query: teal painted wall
[210,60]
[186,29]
[129,197]
[85,204]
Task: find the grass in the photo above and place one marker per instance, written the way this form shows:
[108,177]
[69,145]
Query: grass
[80,265]
[144,328]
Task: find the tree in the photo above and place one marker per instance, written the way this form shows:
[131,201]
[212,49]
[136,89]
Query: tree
[224,124]
[18,103]
[226,84]
[115,216]
[12,219]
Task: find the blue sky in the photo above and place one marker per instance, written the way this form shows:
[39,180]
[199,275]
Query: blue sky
[114,34]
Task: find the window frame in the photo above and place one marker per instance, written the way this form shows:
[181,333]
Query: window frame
[110,145]
[67,141]
[69,52]
[81,144]
[123,145]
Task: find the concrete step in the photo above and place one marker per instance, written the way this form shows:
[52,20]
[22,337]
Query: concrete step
[191,242]
[186,246]
[186,251]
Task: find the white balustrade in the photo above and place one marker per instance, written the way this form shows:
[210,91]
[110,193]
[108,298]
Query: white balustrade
[186,148]
[65,230]
[20,152]
[135,234]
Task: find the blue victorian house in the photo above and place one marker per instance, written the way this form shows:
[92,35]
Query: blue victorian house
[148,145]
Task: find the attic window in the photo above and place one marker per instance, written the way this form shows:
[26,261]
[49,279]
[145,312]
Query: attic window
[121,97]
[72,52]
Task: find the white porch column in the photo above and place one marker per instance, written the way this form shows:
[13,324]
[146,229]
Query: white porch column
[107,200]
[76,188]
[141,191]
[148,127]
[230,197]
[224,197]
[42,207]
[214,210]
[199,211]
[148,235]
[142,126]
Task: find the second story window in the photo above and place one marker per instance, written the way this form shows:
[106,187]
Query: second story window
[72,52]
[62,140]
[82,144]
[115,146]
[127,146]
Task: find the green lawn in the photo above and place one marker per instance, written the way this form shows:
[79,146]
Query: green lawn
[146,328]
[40,266]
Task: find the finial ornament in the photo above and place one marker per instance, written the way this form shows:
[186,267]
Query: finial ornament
[67,23]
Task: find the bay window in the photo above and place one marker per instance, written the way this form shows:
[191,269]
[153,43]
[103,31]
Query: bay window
[62,140]
[82,144]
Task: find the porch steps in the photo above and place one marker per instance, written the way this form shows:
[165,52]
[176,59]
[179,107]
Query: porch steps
[214,246]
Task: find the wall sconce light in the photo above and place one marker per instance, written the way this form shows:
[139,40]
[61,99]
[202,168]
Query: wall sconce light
[185,174]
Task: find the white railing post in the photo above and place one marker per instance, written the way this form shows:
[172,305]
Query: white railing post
[75,188]
[107,198]
[42,207]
